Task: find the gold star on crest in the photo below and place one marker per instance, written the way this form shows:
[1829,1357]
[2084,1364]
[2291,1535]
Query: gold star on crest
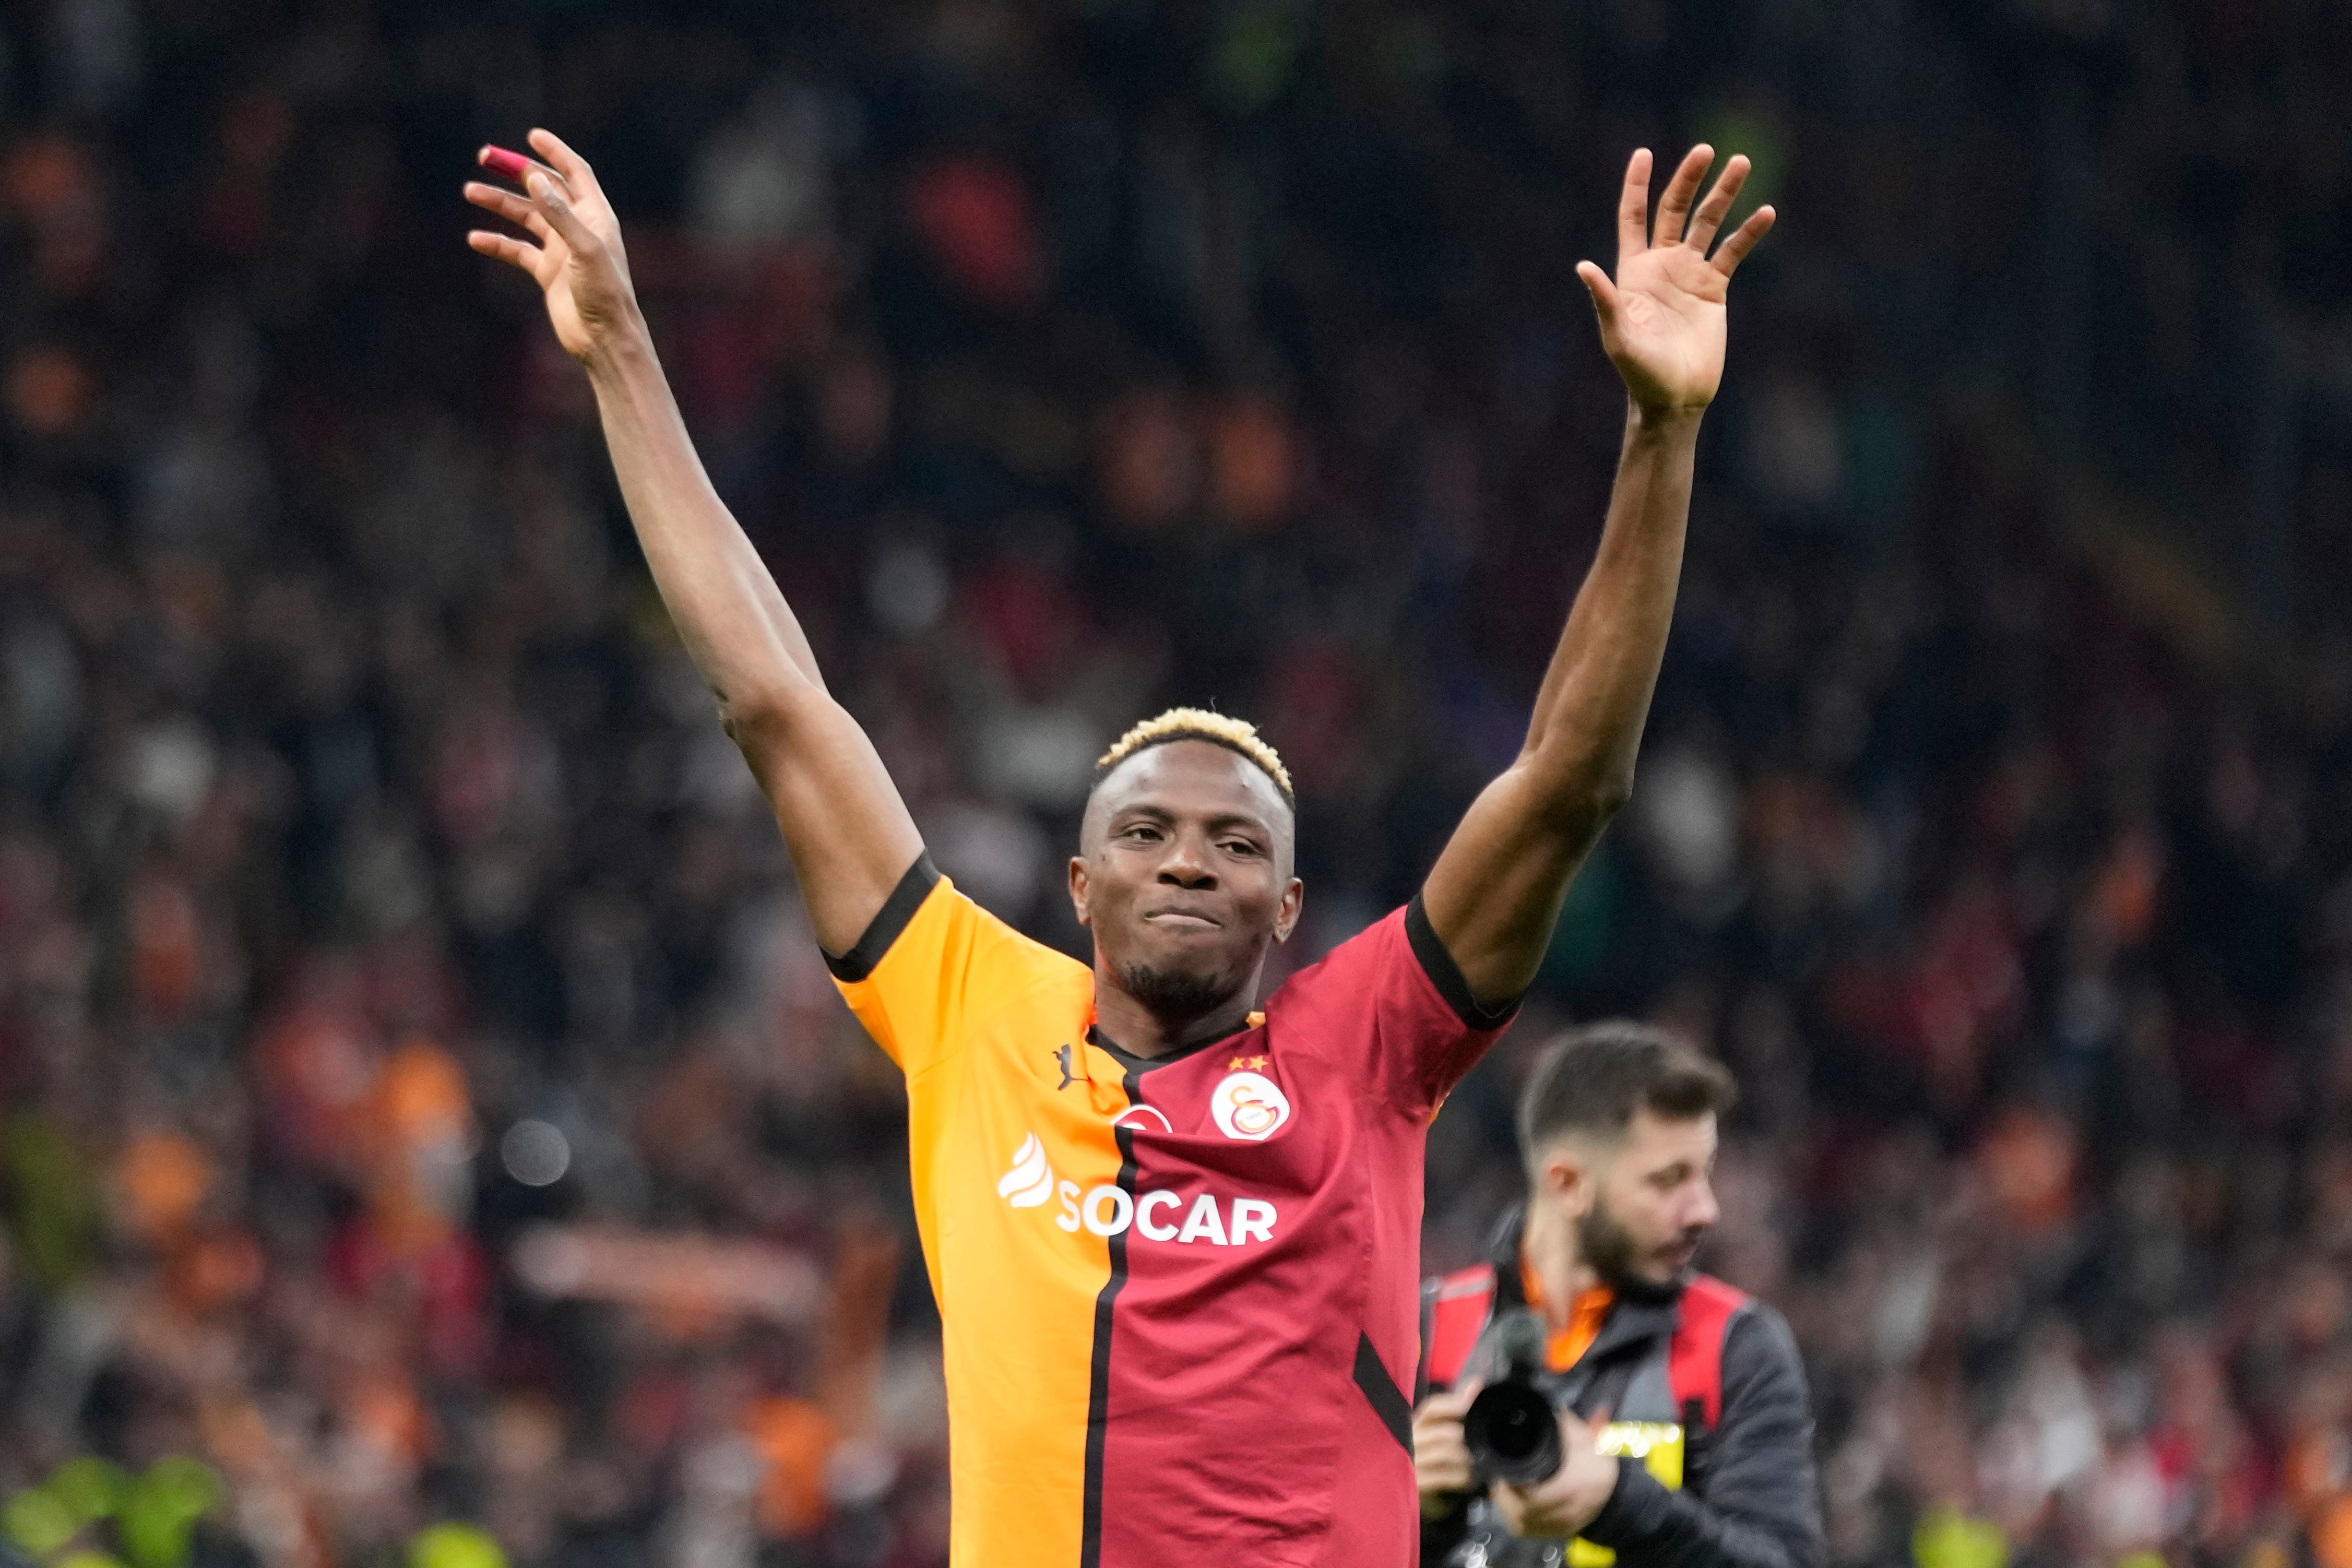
[1255,1064]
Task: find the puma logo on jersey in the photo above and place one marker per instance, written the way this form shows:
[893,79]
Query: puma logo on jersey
[1031,1181]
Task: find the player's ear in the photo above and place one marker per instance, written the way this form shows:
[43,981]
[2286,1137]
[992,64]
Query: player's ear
[1079,887]
[1285,914]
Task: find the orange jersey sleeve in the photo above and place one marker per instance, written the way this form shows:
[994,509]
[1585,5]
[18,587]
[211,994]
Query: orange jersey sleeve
[934,966]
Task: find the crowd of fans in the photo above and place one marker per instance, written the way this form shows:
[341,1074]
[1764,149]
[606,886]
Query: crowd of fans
[424,1097]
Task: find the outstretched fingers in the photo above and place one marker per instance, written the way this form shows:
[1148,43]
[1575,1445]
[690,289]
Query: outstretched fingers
[508,165]
[547,195]
[1634,208]
[1605,293]
[1717,205]
[506,248]
[1674,207]
[565,162]
[508,206]
[1743,241]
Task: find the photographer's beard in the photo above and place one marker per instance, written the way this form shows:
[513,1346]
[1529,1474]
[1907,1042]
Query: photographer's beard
[1610,1249]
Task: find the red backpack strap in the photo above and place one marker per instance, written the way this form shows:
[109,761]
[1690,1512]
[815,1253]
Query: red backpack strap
[1454,1308]
[1695,1361]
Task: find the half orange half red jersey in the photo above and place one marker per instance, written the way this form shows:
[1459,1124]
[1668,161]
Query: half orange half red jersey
[1179,1295]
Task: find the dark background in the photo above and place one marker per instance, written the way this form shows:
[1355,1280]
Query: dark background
[357,807]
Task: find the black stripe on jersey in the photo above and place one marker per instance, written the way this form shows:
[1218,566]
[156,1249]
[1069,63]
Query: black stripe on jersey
[1098,1378]
[888,922]
[1387,1399]
[1446,974]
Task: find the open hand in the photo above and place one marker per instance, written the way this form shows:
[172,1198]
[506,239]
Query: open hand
[578,262]
[1571,1497]
[1661,319]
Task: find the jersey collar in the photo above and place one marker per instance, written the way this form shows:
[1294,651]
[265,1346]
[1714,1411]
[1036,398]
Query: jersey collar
[1144,1063]
[1136,1064]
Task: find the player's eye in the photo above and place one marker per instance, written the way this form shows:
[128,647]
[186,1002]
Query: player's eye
[1241,846]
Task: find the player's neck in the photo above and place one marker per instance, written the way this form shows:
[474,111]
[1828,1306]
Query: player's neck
[1547,1245]
[1140,1031]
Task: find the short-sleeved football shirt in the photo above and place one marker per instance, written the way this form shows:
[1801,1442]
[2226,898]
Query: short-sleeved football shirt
[1179,1294]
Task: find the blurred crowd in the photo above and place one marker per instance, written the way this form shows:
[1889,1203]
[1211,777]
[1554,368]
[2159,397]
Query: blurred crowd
[424,1099]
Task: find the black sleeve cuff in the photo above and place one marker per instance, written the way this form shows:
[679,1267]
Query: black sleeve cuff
[884,928]
[1446,974]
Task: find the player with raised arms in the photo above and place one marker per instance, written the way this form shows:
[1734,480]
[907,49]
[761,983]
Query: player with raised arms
[1174,1240]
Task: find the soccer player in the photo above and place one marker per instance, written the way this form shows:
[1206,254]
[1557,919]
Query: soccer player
[1174,1240]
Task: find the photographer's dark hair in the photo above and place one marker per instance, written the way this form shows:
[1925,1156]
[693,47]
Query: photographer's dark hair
[1592,1080]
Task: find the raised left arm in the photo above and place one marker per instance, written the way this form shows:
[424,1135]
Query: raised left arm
[1496,891]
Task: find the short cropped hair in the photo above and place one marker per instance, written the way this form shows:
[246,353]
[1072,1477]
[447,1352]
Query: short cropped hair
[1237,736]
[1591,1081]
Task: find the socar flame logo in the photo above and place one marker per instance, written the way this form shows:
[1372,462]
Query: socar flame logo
[1031,1180]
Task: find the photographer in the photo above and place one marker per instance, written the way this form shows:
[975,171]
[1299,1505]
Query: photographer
[1686,1438]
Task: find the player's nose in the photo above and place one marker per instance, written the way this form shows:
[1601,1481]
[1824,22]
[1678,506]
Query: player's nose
[1187,864]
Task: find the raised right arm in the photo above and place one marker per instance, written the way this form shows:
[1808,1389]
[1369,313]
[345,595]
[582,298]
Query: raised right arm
[849,834]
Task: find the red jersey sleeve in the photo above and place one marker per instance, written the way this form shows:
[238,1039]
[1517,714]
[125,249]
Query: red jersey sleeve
[1393,998]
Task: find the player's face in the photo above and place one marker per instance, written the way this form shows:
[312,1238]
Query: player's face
[1655,1201]
[1184,875]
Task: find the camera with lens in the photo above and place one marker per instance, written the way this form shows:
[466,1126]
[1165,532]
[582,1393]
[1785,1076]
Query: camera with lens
[1510,1429]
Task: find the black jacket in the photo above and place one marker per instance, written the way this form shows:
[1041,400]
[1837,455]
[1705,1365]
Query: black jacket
[1749,1497]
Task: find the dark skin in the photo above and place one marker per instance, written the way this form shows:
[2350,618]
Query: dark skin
[1496,891]
[1184,869]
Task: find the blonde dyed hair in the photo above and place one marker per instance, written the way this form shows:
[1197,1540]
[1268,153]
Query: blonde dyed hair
[1200,724]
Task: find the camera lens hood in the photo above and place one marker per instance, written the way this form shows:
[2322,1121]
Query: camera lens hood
[1512,1434]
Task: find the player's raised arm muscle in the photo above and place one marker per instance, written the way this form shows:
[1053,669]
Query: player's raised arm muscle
[850,836]
[1496,891]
